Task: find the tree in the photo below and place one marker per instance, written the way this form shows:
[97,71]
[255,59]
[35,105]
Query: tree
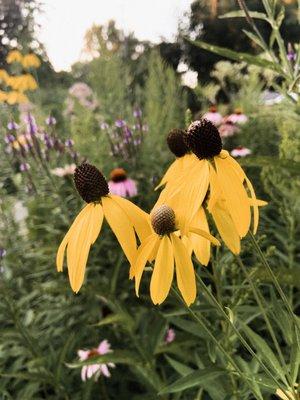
[204,23]
[17,25]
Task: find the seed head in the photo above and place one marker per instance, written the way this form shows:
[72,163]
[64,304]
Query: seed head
[118,175]
[203,139]
[163,220]
[176,143]
[90,183]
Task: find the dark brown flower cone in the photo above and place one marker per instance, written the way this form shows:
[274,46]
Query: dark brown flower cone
[90,183]
[203,139]
[163,220]
[176,142]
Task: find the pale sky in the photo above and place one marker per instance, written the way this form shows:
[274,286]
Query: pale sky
[64,23]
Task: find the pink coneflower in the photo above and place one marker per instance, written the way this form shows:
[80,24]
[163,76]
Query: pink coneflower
[240,151]
[227,129]
[237,117]
[66,170]
[170,336]
[213,116]
[88,371]
[120,185]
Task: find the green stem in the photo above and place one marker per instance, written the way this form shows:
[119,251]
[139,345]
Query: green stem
[272,275]
[212,337]
[236,331]
[262,308]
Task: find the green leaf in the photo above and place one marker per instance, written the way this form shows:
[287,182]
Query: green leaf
[200,378]
[264,351]
[263,381]
[254,38]
[241,14]
[190,327]
[237,56]
[112,319]
[182,369]
[62,356]
[295,356]
[117,357]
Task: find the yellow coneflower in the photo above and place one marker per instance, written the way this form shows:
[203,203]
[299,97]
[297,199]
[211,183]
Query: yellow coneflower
[3,96]
[196,243]
[124,218]
[31,61]
[184,158]
[14,56]
[22,82]
[15,97]
[166,247]
[215,174]
[3,75]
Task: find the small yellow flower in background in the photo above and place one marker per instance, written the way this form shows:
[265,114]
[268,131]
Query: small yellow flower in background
[214,176]
[184,158]
[31,61]
[15,97]
[22,83]
[125,219]
[3,96]
[166,246]
[14,56]
[4,76]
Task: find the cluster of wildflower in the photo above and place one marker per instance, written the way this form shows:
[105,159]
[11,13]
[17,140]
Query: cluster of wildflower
[228,126]
[125,140]
[33,147]
[203,179]
[82,93]
[15,85]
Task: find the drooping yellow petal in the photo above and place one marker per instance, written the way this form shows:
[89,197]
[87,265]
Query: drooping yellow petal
[214,188]
[187,195]
[184,271]
[80,240]
[62,247]
[121,226]
[154,251]
[201,245]
[172,172]
[78,249]
[134,266]
[226,227]
[206,235]
[97,219]
[139,218]
[177,169]
[235,165]
[257,202]
[235,194]
[163,272]
[142,256]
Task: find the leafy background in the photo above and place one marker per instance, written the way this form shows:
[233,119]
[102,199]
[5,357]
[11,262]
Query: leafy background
[43,324]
